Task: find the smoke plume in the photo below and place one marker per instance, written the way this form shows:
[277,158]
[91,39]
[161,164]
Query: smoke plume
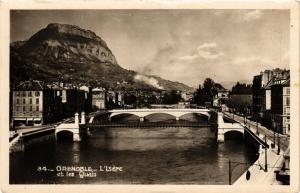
[148,80]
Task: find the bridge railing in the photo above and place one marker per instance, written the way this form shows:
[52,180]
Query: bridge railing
[149,124]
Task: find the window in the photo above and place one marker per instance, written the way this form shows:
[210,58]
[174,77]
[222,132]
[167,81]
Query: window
[37,100]
[288,90]
[37,93]
[30,101]
[37,108]
[287,111]
[24,101]
[30,108]
[29,93]
[18,108]
[287,101]
[24,93]
[24,108]
[18,101]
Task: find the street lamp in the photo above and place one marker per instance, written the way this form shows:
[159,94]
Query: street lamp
[278,139]
[257,125]
[266,158]
[274,134]
[277,126]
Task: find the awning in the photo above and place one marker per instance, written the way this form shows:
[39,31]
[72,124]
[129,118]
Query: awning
[28,119]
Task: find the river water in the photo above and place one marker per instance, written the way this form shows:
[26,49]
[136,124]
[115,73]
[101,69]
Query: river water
[138,156]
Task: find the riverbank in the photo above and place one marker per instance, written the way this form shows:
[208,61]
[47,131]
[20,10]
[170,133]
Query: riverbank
[267,157]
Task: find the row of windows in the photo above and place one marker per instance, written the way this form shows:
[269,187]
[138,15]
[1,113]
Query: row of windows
[287,90]
[30,108]
[286,111]
[37,101]
[29,93]
[286,101]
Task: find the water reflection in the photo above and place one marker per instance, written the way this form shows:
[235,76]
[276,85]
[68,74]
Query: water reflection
[148,156]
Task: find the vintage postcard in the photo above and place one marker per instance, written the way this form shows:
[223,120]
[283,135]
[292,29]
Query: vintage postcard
[149,96]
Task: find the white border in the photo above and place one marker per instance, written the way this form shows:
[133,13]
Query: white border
[151,4]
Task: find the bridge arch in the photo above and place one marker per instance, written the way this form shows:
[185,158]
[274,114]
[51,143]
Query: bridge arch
[199,113]
[64,135]
[141,114]
[234,134]
[160,113]
[234,130]
[114,116]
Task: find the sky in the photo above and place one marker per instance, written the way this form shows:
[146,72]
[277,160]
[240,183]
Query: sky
[179,45]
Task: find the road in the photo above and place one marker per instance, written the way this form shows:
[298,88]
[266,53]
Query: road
[284,139]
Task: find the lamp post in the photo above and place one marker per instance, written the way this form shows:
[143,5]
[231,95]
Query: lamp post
[266,158]
[278,139]
[257,126]
[229,172]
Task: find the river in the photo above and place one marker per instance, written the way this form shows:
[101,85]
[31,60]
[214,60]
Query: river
[144,156]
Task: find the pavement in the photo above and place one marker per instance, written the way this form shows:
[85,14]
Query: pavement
[258,175]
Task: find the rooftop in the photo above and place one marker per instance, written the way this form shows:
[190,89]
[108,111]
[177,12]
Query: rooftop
[31,85]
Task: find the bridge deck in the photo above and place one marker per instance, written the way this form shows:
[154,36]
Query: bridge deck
[159,110]
[143,125]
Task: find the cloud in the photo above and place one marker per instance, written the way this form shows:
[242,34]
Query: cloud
[207,45]
[252,15]
[252,60]
[207,51]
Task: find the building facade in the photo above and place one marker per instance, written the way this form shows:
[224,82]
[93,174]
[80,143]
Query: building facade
[280,106]
[261,91]
[99,98]
[33,103]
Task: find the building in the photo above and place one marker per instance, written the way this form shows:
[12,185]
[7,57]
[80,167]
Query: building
[73,98]
[257,97]
[280,106]
[34,103]
[120,99]
[261,91]
[99,98]
[223,93]
[73,101]
[187,96]
[88,106]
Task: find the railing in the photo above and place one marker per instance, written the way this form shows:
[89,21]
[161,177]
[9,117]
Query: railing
[38,131]
[143,125]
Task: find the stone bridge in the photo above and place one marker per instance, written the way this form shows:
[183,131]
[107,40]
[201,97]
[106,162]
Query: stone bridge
[142,113]
[72,127]
[223,128]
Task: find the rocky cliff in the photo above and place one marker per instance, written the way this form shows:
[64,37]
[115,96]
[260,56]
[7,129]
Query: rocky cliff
[69,53]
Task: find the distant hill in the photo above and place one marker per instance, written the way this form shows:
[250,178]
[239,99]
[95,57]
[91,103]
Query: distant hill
[230,84]
[68,53]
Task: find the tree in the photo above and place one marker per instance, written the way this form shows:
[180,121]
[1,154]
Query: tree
[171,97]
[207,92]
[240,103]
[241,89]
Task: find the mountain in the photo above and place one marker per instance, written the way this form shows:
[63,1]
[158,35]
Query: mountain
[230,84]
[63,52]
